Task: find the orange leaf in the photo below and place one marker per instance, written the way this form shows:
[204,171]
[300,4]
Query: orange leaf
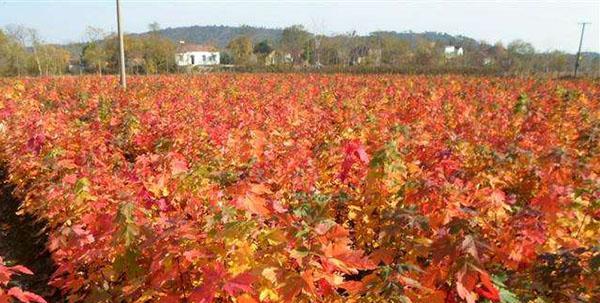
[246,298]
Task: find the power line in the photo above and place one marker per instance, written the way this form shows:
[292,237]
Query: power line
[583,24]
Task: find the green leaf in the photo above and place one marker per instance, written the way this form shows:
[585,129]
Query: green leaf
[128,230]
[128,263]
[506,296]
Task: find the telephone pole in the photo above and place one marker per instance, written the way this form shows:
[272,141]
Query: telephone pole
[583,24]
[121,47]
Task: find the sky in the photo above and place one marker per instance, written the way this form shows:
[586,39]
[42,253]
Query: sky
[548,25]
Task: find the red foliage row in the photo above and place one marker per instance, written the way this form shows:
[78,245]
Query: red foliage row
[247,188]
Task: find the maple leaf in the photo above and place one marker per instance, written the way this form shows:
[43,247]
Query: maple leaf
[253,201]
[70,179]
[344,259]
[206,293]
[25,296]
[35,143]
[178,164]
[246,298]
[21,269]
[465,294]
[353,287]
[487,289]
[468,245]
[354,152]
[291,288]
[170,298]
[242,282]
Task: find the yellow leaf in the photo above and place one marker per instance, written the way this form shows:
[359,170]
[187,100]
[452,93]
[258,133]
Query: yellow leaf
[270,274]
[268,293]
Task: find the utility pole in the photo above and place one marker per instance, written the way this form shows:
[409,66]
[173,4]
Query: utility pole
[121,47]
[583,24]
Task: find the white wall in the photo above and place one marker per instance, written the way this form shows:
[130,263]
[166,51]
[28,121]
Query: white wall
[199,58]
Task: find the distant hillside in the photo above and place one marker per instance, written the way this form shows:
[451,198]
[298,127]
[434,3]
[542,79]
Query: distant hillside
[443,38]
[219,35]
[590,55]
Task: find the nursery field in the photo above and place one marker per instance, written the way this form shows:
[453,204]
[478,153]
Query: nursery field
[306,188]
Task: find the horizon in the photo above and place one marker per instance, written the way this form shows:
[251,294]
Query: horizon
[544,24]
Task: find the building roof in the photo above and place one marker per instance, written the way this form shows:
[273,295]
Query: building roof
[190,47]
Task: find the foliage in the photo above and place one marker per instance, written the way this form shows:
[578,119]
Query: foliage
[263,47]
[294,40]
[311,188]
[241,49]
[150,54]
[15,292]
[22,52]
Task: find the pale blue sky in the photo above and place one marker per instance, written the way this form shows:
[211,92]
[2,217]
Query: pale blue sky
[547,25]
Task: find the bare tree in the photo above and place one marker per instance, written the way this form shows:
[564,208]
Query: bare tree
[95,53]
[35,42]
[18,35]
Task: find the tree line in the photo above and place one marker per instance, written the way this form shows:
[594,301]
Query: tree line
[23,52]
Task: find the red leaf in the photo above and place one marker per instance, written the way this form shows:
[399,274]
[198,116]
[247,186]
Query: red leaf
[354,152]
[246,298]
[487,289]
[22,269]
[253,203]
[171,298]
[204,294]
[25,296]
[346,260]
[353,287]
[178,164]
[241,283]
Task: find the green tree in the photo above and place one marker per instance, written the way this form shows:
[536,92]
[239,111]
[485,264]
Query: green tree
[154,27]
[520,55]
[241,50]
[159,52]
[13,54]
[226,58]
[294,40]
[53,60]
[394,51]
[134,54]
[4,58]
[558,62]
[95,56]
[263,48]
[427,54]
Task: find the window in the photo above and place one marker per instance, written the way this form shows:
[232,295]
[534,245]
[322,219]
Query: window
[203,58]
[193,59]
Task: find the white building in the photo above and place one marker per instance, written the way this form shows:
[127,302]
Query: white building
[452,51]
[194,54]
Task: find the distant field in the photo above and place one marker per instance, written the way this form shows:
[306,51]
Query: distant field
[309,188]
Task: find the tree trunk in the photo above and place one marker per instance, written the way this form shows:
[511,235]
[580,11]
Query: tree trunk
[37,59]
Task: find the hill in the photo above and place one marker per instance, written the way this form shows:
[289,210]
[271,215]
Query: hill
[219,35]
[443,38]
